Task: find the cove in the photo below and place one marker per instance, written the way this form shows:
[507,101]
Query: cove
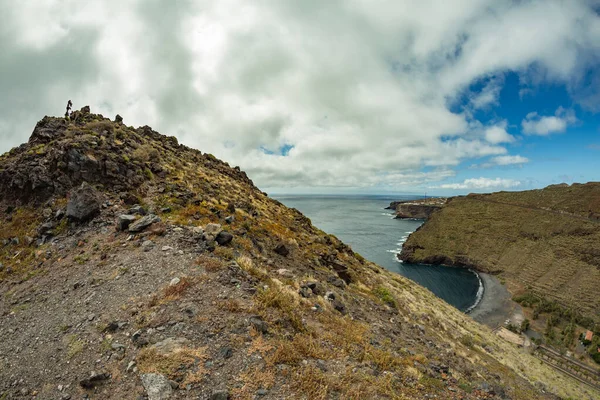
[362,222]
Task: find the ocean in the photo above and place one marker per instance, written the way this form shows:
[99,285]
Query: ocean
[363,223]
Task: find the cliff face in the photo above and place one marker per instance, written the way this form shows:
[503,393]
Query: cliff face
[133,266]
[417,209]
[544,241]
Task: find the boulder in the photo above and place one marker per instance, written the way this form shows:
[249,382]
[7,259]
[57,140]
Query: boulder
[213,229]
[157,386]
[143,223]
[94,380]
[124,220]
[224,238]
[84,203]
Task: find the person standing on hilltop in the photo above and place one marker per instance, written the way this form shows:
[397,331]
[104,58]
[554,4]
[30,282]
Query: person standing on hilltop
[69,106]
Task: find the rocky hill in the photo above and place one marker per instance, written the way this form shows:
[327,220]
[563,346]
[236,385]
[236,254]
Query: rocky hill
[546,241]
[134,267]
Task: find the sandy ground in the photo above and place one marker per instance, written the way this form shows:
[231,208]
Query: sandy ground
[496,305]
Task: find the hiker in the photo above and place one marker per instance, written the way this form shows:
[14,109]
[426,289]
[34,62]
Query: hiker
[69,106]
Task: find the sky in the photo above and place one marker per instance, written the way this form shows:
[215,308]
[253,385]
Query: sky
[341,96]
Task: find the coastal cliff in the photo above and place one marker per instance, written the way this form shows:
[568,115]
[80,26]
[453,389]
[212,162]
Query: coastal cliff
[416,209]
[543,242]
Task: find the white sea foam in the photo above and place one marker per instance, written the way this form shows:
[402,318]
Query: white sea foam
[479,294]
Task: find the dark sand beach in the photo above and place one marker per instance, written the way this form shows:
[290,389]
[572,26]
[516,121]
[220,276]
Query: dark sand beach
[496,305]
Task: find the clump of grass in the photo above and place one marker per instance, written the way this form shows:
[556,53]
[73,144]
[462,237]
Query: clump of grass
[173,292]
[467,341]
[384,295]
[247,265]
[224,252]
[275,297]
[210,264]
[183,365]
[74,345]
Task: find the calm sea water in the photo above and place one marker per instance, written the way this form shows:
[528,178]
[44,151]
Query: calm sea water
[364,224]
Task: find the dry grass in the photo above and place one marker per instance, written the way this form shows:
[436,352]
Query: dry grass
[275,297]
[231,305]
[184,365]
[210,264]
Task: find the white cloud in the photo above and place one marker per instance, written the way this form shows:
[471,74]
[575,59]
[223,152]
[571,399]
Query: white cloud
[361,92]
[509,160]
[496,134]
[535,124]
[481,183]
[488,96]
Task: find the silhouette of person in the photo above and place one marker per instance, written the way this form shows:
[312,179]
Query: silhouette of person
[69,106]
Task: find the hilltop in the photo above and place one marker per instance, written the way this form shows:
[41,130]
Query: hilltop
[132,266]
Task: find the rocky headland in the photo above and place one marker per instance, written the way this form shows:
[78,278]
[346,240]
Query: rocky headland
[133,267]
[417,209]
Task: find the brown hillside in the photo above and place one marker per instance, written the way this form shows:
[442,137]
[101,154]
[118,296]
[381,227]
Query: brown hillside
[133,267]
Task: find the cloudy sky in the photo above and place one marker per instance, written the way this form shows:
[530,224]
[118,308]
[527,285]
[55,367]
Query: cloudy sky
[334,96]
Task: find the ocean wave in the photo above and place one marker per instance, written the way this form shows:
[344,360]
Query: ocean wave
[479,294]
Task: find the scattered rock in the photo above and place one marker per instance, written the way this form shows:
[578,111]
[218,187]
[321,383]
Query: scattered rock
[137,209]
[157,386]
[124,221]
[282,250]
[262,392]
[229,219]
[84,203]
[316,287]
[143,223]
[94,380]
[118,119]
[224,238]
[166,248]
[130,366]
[174,282]
[339,306]
[258,324]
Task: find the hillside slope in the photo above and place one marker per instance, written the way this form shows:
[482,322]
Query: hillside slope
[134,267]
[545,241]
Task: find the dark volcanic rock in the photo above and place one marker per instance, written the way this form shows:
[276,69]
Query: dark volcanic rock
[84,203]
[143,223]
[224,238]
[124,221]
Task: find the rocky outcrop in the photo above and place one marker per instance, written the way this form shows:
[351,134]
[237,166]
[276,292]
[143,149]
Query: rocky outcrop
[417,209]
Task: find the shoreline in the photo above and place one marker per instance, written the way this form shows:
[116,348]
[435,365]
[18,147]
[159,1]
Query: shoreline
[496,305]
